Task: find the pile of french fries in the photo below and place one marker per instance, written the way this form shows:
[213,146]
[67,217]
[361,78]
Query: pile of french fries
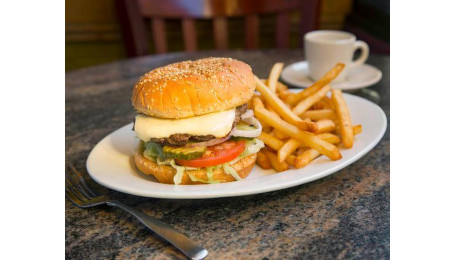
[299,127]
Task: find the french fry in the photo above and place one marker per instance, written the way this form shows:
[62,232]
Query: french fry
[266,126]
[323,126]
[284,94]
[307,119]
[337,130]
[263,161]
[279,106]
[318,106]
[357,129]
[278,134]
[309,124]
[261,97]
[344,118]
[249,104]
[290,160]
[331,138]
[257,103]
[324,103]
[292,145]
[292,98]
[271,141]
[328,104]
[295,98]
[328,137]
[274,75]
[280,87]
[312,127]
[305,158]
[299,127]
[326,79]
[306,138]
[319,114]
[275,133]
[301,150]
[287,149]
[305,104]
[277,165]
[267,129]
[270,108]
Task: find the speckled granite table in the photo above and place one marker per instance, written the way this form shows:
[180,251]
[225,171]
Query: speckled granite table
[344,215]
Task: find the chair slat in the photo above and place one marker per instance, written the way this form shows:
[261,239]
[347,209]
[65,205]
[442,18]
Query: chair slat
[133,28]
[220,31]
[202,9]
[252,31]
[132,13]
[189,34]
[310,18]
[282,30]
[159,35]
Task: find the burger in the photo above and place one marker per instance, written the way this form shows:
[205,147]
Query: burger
[193,122]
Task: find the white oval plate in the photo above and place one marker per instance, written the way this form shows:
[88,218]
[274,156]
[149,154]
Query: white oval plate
[362,76]
[111,164]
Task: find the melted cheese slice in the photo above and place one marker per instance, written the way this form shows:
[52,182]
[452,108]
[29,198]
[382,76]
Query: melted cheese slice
[217,124]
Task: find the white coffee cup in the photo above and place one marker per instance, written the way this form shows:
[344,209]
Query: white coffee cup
[325,48]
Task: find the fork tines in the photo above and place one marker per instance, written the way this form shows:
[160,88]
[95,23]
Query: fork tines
[79,191]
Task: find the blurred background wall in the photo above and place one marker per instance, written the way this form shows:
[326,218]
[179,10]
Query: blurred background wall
[93,33]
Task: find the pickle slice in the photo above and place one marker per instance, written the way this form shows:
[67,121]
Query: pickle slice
[185,153]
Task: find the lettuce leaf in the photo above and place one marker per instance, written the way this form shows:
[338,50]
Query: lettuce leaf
[194,178]
[164,162]
[180,170]
[210,175]
[154,150]
[252,146]
[154,153]
[229,170]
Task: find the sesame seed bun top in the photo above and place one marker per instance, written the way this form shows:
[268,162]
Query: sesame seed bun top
[192,88]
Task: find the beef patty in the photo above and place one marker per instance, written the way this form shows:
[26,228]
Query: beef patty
[182,139]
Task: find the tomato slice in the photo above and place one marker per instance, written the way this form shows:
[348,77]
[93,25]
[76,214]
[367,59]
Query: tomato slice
[216,154]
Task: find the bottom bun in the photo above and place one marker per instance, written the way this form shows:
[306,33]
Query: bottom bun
[165,173]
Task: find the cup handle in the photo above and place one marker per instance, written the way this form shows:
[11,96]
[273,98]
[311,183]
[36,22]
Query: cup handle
[364,52]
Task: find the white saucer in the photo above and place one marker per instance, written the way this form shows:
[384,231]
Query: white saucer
[362,76]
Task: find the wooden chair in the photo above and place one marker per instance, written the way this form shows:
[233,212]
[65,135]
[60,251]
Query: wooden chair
[133,14]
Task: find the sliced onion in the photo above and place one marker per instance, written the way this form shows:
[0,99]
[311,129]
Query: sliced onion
[249,113]
[210,142]
[248,133]
[247,117]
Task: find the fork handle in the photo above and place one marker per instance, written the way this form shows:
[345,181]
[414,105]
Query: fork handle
[189,247]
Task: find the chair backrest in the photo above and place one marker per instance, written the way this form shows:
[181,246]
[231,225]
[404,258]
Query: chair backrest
[132,14]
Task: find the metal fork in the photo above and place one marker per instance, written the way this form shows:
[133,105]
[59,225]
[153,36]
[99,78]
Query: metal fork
[83,194]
